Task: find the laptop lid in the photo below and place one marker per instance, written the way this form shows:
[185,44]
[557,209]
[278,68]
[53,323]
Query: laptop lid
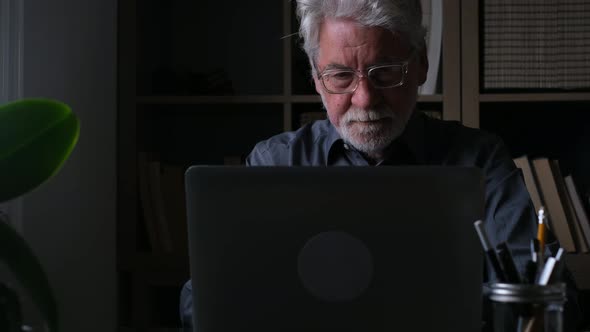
[335,248]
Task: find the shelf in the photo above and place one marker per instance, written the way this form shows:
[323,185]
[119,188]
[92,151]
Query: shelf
[249,99]
[146,262]
[187,100]
[532,97]
[436,98]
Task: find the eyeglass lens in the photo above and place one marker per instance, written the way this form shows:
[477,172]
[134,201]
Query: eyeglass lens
[380,77]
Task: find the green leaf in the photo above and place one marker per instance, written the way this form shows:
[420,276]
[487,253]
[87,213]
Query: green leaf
[36,137]
[21,260]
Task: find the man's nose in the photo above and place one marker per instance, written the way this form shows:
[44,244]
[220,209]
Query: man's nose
[365,95]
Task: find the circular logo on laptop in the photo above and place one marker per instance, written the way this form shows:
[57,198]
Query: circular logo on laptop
[335,266]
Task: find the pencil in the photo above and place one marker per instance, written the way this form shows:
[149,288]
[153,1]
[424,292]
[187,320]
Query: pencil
[541,232]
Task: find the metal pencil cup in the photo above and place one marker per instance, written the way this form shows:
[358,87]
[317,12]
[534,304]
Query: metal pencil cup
[526,307]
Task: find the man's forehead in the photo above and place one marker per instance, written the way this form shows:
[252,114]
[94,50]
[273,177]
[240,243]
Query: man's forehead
[348,44]
[335,64]
[346,33]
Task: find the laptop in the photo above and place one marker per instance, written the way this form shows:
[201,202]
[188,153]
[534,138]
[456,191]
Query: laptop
[335,248]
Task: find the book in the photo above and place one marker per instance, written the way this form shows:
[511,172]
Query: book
[433,114]
[524,164]
[173,193]
[147,207]
[155,183]
[581,213]
[577,235]
[557,220]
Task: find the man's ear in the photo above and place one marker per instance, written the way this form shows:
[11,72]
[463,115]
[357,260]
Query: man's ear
[422,65]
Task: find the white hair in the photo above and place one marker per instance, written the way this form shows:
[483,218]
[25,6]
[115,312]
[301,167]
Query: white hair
[403,16]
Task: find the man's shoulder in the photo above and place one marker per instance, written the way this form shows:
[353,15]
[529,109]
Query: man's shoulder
[308,134]
[280,149]
[454,132]
[450,142]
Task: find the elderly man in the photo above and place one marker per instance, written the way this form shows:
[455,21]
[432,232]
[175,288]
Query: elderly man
[367,60]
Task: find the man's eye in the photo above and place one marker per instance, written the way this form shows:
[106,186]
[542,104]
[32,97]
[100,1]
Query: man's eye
[387,74]
[341,76]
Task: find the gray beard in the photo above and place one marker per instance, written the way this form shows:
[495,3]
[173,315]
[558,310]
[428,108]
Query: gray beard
[371,138]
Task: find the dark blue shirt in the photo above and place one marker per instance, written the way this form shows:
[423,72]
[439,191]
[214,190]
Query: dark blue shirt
[509,213]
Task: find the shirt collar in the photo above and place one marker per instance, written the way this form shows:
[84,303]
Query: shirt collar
[412,139]
[333,144]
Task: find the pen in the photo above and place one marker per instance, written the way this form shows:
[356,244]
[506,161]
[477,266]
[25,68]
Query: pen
[490,252]
[549,268]
[559,253]
[531,266]
[507,263]
[534,249]
[558,269]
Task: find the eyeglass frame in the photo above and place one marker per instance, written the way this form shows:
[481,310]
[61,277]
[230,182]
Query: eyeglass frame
[365,73]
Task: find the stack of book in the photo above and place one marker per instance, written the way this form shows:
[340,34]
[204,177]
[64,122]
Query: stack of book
[536,44]
[163,205]
[163,202]
[566,210]
[435,114]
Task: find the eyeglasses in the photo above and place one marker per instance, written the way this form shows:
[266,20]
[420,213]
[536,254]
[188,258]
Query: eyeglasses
[341,81]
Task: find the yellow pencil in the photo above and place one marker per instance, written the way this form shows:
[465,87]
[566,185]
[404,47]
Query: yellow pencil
[541,231]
